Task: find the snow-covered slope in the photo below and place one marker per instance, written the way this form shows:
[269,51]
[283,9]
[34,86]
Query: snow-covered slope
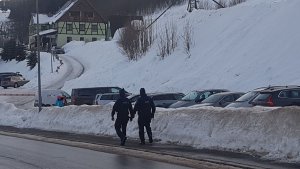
[46,75]
[250,45]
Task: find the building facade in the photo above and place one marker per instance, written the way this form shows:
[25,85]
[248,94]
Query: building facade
[76,20]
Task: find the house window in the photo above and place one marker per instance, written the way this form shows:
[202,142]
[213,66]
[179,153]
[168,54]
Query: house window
[89,14]
[82,27]
[94,28]
[69,27]
[69,39]
[75,14]
[94,39]
[44,27]
[81,38]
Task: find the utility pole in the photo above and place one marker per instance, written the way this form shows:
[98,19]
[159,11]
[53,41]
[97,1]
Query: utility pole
[38,54]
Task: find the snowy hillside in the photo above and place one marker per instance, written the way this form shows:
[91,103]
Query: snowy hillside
[239,48]
[46,75]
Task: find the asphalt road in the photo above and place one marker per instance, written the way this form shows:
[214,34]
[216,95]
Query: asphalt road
[16,153]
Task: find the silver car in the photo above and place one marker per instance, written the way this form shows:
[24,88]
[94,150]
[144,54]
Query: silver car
[103,99]
[160,99]
[221,99]
[196,97]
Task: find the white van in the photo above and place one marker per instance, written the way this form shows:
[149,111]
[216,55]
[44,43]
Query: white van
[49,97]
[103,99]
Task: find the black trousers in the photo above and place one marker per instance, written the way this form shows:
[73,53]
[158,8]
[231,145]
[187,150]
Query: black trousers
[120,126]
[144,123]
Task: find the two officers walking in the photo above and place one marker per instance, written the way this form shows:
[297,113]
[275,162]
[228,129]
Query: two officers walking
[146,110]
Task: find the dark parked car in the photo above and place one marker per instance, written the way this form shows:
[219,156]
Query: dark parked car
[196,97]
[82,96]
[58,50]
[246,99]
[160,99]
[221,99]
[13,81]
[278,96]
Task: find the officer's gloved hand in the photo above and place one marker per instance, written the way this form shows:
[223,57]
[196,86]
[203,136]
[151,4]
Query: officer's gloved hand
[112,119]
[130,118]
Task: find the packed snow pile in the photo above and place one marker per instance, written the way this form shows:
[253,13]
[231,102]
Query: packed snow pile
[273,133]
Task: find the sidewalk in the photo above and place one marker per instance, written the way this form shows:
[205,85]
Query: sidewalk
[212,156]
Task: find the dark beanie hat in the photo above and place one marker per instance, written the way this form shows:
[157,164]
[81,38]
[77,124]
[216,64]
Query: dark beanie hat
[122,93]
[142,92]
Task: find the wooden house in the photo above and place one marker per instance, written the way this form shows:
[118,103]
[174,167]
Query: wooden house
[76,20]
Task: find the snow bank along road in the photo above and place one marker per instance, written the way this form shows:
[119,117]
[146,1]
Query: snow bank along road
[23,98]
[269,133]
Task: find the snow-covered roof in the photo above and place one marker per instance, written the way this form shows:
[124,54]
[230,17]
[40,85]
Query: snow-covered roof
[44,19]
[45,32]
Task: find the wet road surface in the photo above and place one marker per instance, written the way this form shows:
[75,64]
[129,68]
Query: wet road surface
[28,154]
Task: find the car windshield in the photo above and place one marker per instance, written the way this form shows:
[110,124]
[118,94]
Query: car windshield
[262,97]
[190,96]
[213,99]
[247,97]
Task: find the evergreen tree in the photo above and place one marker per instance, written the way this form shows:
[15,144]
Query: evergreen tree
[9,51]
[32,60]
[20,52]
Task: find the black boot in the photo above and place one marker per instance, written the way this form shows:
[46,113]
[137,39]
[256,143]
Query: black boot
[142,142]
[150,140]
[123,140]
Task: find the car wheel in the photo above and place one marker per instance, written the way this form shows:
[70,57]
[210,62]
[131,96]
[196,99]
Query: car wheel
[5,87]
[16,85]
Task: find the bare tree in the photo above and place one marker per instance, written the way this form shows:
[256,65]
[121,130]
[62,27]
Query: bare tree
[188,38]
[223,3]
[135,40]
[162,47]
[168,40]
[205,4]
[235,2]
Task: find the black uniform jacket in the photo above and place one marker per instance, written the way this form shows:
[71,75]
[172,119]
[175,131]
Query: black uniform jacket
[145,108]
[123,108]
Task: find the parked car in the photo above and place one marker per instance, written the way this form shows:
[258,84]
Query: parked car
[221,99]
[49,97]
[13,81]
[160,99]
[103,99]
[7,74]
[246,99]
[58,50]
[278,96]
[196,97]
[87,96]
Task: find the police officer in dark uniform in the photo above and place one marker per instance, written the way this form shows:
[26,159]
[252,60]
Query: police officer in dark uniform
[123,108]
[146,109]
